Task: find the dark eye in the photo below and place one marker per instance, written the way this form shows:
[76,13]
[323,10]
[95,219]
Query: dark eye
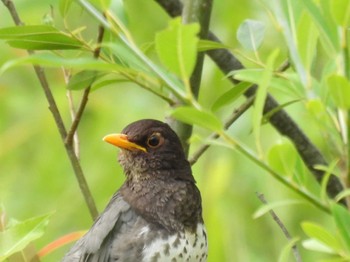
[155,140]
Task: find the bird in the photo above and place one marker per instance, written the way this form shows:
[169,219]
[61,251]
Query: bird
[156,215]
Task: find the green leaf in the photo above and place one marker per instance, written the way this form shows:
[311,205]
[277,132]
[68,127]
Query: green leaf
[339,88]
[125,55]
[95,12]
[248,75]
[89,64]
[322,235]
[282,158]
[342,195]
[16,237]
[260,97]
[86,63]
[317,108]
[231,95]
[268,115]
[341,11]
[63,6]
[308,36]
[39,37]
[342,219]
[286,14]
[101,4]
[285,253]
[218,142]
[99,84]
[271,206]
[328,170]
[117,7]
[315,245]
[83,80]
[172,83]
[52,60]
[177,47]
[328,30]
[206,45]
[198,117]
[250,34]
[255,75]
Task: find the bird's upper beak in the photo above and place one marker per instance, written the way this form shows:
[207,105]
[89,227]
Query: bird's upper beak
[121,141]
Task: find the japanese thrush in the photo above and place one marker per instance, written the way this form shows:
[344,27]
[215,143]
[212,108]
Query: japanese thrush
[156,215]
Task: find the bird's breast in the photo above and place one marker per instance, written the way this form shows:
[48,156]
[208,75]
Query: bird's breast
[180,246]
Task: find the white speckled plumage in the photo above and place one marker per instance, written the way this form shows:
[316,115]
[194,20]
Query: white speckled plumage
[182,246]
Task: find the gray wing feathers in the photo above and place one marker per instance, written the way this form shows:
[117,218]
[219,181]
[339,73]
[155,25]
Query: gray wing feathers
[91,242]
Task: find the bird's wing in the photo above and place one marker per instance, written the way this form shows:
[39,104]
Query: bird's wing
[93,246]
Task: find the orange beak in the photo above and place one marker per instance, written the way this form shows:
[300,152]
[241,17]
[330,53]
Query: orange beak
[121,141]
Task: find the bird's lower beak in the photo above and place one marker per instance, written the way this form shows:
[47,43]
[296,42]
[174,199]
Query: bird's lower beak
[121,141]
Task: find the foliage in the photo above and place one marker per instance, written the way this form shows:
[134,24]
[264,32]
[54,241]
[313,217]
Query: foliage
[17,235]
[141,68]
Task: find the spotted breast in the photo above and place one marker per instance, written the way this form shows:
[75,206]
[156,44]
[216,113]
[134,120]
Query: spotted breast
[178,247]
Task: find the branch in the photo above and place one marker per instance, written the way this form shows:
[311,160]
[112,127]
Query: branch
[85,96]
[234,116]
[282,227]
[283,123]
[59,121]
[194,11]
[76,142]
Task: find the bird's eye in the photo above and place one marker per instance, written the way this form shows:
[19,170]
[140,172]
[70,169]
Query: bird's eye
[155,140]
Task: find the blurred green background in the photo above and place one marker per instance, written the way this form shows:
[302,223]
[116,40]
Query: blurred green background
[36,176]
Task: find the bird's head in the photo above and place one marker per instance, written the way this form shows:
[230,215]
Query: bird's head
[150,148]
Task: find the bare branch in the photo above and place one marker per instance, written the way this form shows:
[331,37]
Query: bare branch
[86,94]
[282,227]
[78,115]
[76,144]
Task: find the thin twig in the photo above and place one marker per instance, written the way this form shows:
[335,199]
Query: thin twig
[87,90]
[78,115]
[76,144]
[282,227]
[233,117]
[59,121]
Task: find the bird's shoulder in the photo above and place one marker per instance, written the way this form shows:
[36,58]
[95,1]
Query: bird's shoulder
[110,229]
